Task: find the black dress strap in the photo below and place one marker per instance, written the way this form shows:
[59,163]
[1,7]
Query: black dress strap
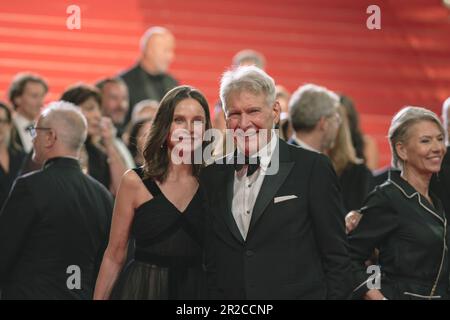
[150,184]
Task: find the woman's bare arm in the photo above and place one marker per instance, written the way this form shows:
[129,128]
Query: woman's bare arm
[116,252]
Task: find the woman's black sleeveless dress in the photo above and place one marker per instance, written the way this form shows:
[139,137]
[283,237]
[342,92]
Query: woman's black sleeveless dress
[169,250]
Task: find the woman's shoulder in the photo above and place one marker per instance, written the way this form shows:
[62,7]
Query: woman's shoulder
[132,178]
[384,193]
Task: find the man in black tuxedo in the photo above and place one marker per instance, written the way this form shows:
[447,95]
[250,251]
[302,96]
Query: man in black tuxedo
[276,228]
[55,222]
[149,79]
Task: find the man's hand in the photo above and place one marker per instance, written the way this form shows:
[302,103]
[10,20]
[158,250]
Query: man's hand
[108,132]
[352,220]
[374,294]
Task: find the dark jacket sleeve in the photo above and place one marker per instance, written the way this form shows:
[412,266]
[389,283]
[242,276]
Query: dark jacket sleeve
[356,184]
[209,252]
[16,220]
[377,222]
[328,222]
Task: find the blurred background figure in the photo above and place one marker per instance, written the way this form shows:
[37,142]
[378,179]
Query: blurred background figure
[11,156]
[314,115]
[365,146]
[114,94]
[283,96]
[138,135]
[354,176]
[115,102]
[54,225]
[26,94]
[440,183]
[143,110]
[446,119]
[219,117]
[99,156]
[249,57]
[149,78]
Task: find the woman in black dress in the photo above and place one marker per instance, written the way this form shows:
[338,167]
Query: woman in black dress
[404,220]
[161,206]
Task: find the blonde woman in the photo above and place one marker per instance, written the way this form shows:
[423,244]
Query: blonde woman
[404,219]
[354,176]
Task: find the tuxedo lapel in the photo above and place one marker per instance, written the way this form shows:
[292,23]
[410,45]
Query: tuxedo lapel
[271,184]
[227,200]
[231,222]
[17,139]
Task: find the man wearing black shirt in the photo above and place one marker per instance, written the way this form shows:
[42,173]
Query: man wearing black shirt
[149,79]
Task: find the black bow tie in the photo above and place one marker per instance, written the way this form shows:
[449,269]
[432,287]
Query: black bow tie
[251,167]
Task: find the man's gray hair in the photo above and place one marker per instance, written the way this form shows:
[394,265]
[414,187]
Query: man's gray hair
[399,129]
[247,78]
[68,122]
[309,103]
[141,105]
[151,32]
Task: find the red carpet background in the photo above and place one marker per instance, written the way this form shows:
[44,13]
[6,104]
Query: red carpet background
[320,41]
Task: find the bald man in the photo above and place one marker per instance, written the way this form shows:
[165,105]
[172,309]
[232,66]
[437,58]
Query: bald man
[149,78]
[55,222]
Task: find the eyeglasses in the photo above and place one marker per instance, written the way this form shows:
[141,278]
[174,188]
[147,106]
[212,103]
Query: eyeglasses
[32,130]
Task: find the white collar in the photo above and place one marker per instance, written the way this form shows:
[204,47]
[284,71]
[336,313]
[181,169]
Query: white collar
[304,145]
[21,121]
[265,155]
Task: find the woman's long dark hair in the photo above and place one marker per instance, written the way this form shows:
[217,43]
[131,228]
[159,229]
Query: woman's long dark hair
[353,122]
[13,133]
[156,155]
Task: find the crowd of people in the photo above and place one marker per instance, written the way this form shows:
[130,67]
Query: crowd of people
[92,183]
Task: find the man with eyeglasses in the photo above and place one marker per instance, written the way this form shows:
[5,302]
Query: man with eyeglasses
[55,222]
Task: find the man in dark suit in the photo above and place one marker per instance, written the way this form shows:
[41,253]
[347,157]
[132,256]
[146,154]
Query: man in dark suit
[55,222]
[276,228]
[149,79]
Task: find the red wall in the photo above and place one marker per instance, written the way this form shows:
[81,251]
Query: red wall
[320,41]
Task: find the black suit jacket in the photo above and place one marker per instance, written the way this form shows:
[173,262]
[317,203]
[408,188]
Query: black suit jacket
[143,86]
[53,219]
[16,159]
[411,235]
[16,138]
[295,249]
